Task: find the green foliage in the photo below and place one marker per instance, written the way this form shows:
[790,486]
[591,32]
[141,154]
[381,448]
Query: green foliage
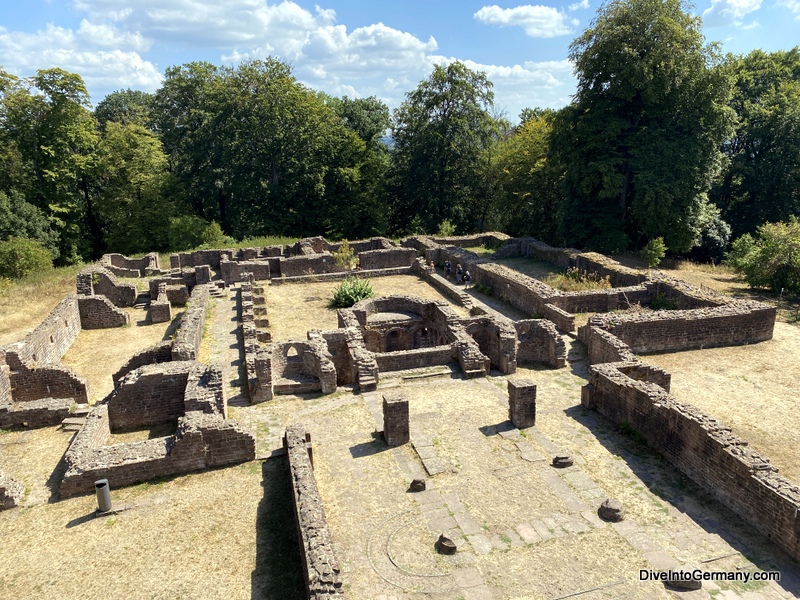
[345,257]
[483,288]
[640,144]
[762,183]
[20,257]
[350,291]
[771,259]
[575,280]
[441,133]
[661,302]
[446,229]
[186,232]
[126,107]
[654,251]
[19,218]
[526,182]
[214,237]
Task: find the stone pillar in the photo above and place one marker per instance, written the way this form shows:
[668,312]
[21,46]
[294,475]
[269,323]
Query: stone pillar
[395,419]
[202,274]
[521,402]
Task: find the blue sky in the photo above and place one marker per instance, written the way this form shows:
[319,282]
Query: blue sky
[354,48]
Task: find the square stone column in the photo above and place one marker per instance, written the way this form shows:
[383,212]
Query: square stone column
[395,419]
[521,402]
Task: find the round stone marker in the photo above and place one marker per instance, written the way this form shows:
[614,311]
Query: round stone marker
[611,510]
[417,485]
[561,461]
[445,545]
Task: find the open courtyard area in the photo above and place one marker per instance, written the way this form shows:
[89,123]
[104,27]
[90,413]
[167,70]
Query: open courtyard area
[244,428]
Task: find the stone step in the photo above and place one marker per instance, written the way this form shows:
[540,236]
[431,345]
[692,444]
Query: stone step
[82,410]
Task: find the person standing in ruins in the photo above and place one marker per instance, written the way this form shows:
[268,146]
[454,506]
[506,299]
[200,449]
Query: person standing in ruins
[459,274]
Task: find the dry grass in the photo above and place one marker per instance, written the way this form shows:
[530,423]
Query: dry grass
[752,389]
[538,269]
[26,302]
[295,308]
[98,353]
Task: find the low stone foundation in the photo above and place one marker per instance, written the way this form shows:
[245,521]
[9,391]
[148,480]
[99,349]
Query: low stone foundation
[190,334]
[160,308]
[97,280]
[321,569]
[98,312]
[11,492]
[700,446]
[187,393]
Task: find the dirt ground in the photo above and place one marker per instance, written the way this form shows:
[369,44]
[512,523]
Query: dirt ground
[524,529]
[295,308]
[98,353]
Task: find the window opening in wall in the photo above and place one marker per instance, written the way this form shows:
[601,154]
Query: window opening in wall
[52,340]
[292,352]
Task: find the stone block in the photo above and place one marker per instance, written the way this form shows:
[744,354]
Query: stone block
[395,419]
[521,402]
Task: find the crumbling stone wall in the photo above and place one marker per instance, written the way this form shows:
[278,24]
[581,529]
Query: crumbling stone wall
[234,272]
[496,338]
[203,437]
[198,257]
[538,341]
[180,284]
[387,258]
[701,447]
[604,347]
[321,569]
[415,359]
[50,340]
[311,360]
[96,279]
[190,334]
[42,412]
[11,492]
[490,239]
[301,265]
[741,322]
[160,353]
[160,307]
[122,266]
[336,339]
[149,395]
[97,312]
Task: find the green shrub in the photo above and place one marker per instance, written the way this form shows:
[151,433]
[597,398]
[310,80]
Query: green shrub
[214,237]
[446,229]
[575,280]
[483,288]
[345,257]
[654,251]
[771,259]
[661,302]
[20,257]
[350,291]
[186,232]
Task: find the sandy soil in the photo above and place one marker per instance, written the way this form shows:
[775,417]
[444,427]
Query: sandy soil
[295,308]
[98,353]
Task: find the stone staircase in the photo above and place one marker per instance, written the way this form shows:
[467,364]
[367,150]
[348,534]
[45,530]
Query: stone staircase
[77,418]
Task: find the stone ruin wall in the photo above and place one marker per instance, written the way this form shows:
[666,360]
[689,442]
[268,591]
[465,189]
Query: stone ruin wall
[179,284]
[388,258]
[703,449]
[35,388]
[190,334]
[149,396]
[97,280]
[98,312]
[496,338]
[203,437]
[674,330]
[11,492]
[538,341]
[321,569]
[122,266]
[160,353]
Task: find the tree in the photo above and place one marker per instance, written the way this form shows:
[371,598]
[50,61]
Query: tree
[771,259]
[440,135]
[762,183]
[125,107]
[52,137]
[20,257]
[654,251]
[136,195]
[640,143]
[19,218]
[526,181]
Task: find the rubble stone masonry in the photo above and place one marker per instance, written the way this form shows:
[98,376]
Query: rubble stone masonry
[321,568]
[702,448]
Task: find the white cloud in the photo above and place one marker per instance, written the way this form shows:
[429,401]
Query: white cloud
[77,51]
[538,21]
[109,36]
[729,12]
[582,5]
[792,5]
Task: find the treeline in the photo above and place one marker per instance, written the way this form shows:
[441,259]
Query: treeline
[665,138]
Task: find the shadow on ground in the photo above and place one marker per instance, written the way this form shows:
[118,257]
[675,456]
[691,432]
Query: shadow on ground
[668,483]
[279,566]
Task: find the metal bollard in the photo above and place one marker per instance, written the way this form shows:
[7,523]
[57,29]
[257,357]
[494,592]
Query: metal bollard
[103,492]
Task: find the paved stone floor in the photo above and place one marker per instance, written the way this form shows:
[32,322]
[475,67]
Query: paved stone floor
[523,528]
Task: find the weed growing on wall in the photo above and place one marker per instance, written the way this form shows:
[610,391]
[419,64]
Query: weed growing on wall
[350,291]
